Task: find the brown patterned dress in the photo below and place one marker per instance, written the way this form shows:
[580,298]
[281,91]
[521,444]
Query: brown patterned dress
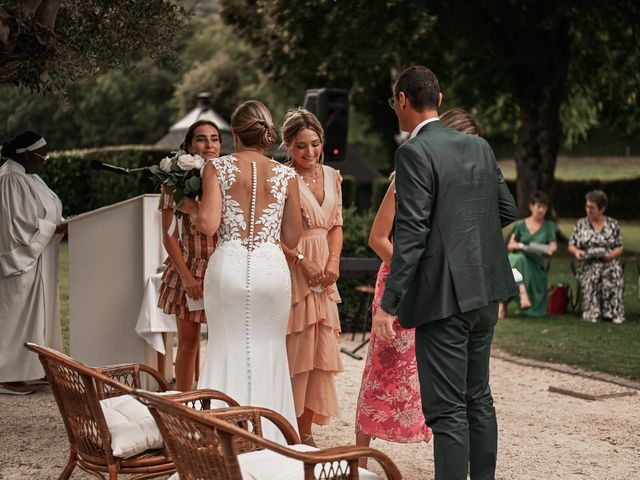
[196,250]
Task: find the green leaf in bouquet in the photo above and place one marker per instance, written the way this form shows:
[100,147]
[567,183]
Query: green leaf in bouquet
[177,196]
[193,183]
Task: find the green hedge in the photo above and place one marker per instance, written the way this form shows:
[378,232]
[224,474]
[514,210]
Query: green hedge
[82,188]
[568,199]
[356,228]
[349,189]
[378,190]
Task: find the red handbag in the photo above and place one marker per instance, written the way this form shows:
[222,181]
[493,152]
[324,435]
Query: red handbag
[558,299]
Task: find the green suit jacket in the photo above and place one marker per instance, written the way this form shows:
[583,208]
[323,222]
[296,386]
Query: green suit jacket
[449,255]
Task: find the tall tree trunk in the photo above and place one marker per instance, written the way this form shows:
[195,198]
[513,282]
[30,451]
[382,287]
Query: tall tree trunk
[537,148]
[540,93]
[47,14]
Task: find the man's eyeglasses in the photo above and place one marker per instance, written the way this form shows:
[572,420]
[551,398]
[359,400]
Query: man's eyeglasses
[43,157]
[392,101]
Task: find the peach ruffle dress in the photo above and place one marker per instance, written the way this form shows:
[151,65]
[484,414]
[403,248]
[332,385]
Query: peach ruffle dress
[314,325]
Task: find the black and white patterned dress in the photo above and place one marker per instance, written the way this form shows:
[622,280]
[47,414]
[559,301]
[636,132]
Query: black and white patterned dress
[602,282]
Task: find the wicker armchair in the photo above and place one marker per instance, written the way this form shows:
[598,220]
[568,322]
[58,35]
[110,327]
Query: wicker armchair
[207,444]
[78,390]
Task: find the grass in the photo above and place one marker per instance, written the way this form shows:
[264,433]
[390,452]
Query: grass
[604,347]
[586,168]
[566,339]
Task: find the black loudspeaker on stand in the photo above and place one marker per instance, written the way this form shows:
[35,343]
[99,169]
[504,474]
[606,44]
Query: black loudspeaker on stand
[331,106]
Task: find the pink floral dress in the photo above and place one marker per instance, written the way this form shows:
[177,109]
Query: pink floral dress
[389,404]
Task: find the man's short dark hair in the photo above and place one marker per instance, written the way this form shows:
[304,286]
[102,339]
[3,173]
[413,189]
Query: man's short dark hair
[420,85]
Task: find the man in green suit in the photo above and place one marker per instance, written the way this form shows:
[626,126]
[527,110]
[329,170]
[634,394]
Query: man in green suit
[449,271]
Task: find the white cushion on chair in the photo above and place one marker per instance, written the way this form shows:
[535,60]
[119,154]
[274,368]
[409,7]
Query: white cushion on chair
[132,427]
[268,465]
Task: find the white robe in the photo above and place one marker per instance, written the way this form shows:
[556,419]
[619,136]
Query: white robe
[29,303]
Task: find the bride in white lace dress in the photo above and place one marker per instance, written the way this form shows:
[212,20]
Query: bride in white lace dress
[252,204]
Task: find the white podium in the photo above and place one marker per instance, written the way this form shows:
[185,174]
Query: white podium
[112,252]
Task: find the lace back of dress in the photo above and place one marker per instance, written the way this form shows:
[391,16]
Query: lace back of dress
[253,196]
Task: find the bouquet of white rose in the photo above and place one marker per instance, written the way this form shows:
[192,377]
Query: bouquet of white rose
[181,175]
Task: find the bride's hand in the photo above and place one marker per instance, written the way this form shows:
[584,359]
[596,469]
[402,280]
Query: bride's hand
[312,272]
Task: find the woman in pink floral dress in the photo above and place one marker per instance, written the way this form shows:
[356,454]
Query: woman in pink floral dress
[389,404]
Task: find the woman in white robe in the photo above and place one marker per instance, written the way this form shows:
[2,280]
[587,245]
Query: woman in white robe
[30,233]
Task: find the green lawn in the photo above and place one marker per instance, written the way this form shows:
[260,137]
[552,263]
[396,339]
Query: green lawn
[586,168]
[604,347]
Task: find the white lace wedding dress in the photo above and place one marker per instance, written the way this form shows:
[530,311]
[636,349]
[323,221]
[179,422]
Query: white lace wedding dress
[247,290]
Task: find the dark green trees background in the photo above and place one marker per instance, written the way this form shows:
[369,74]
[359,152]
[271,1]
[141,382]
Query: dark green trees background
[540,76]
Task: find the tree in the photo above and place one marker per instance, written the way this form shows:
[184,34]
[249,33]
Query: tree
[218,61]
[354,45]
[129,106]
[45,44]
[528,65]
[560,62]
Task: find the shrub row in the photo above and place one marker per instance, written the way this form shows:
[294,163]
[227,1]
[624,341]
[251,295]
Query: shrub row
[568,199]
[356,228]
[82,188]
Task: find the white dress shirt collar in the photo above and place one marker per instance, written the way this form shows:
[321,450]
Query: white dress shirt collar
[422,124]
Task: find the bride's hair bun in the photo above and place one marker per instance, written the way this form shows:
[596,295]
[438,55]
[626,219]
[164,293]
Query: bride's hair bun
[251,121]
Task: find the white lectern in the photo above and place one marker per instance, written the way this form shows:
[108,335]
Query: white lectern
[112,252]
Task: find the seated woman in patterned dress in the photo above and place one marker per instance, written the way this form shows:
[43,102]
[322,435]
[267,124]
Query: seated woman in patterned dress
[596,244]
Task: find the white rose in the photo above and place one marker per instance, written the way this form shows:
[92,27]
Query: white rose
[165,164]
[186,162]
[199,162]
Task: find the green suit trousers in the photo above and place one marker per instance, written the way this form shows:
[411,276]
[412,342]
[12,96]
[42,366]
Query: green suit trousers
[453,368]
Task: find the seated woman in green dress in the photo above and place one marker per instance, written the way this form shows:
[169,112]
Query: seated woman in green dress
[532,239]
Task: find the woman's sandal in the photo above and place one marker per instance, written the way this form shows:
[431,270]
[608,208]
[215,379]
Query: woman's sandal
[307,439]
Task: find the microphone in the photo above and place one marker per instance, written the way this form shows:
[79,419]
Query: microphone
[98,165]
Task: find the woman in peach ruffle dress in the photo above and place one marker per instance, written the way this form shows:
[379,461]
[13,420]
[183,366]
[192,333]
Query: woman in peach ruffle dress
[314,325]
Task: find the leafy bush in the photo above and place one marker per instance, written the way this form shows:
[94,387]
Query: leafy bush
[568,199]
[356,228]
[82,188]
[349,189]
[378,190]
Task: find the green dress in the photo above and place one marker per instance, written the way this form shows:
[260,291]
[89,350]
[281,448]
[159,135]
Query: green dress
[532,265]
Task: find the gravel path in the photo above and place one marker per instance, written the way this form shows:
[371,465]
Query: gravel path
[543,435]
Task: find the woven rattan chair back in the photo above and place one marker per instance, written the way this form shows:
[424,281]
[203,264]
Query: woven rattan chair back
[78,390]
[199,451]
[205,444]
